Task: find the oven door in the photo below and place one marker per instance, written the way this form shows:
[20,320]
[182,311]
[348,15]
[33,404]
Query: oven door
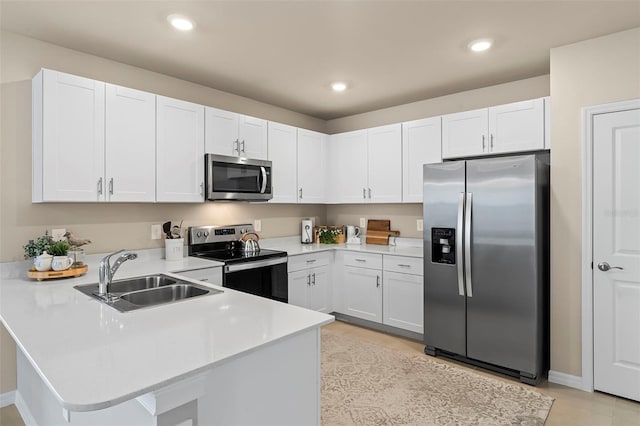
[267,278]
[236,178]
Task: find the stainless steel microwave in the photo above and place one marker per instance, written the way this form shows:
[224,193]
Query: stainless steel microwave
[236,178]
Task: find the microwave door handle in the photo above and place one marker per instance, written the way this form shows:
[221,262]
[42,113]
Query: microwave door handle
[263,171]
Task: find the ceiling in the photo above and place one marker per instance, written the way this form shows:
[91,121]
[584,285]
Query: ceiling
[286,53]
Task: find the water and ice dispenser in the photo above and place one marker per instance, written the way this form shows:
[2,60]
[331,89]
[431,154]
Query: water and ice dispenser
[443,245]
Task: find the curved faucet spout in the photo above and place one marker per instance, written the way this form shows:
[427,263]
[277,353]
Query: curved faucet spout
[106,271]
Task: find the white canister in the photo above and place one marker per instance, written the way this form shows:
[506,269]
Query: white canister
[61,263]
[43,262]
[306,236]
[174,249]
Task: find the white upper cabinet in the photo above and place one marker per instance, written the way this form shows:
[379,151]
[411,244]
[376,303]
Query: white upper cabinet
[312,163]
[366,165]
[465,134]
[384,151]
[130,167]
[421,144]
[180,151]
[348,171]
[68,138]
[514,127]
[228,133]
[283,154]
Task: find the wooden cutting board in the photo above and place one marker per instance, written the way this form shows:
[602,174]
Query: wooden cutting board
[378,232]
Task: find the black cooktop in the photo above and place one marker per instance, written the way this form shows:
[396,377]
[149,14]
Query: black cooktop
[237,256]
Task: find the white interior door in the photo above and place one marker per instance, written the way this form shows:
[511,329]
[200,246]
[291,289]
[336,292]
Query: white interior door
[616,253]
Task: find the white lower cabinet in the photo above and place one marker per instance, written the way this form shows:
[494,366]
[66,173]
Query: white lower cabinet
[310,281]
[402,301]
[362,293]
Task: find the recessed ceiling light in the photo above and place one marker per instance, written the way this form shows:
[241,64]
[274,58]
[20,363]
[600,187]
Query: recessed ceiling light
[180,22]
[480,45]
[339,86]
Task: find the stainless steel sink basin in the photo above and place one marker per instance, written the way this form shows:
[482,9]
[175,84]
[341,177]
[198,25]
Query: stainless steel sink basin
[142,292]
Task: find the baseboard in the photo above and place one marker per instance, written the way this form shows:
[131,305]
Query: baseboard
[24,411]
[565,379]
[7,398]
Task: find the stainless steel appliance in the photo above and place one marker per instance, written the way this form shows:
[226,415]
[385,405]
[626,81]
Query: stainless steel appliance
[248,269]
[236,178]
[486,263]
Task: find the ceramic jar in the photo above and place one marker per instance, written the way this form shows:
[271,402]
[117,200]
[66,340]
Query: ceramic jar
[60,263]
[43,262]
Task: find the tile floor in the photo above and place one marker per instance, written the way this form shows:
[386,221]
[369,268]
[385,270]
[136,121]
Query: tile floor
[571,407]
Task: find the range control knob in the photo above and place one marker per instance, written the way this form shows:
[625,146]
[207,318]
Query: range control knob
[206,234]
[199,234]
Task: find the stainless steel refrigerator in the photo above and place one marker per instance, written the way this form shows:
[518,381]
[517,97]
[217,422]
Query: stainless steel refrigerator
[486,263]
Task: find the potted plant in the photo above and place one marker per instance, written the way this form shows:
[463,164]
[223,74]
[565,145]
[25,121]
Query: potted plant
[59,251]
[37,250]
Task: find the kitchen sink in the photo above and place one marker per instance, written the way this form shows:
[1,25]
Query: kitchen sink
[147,291]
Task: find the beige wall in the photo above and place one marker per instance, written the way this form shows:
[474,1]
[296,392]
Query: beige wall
[592,72]
[402,216]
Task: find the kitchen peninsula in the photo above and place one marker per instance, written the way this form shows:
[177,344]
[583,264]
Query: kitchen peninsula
[228,358]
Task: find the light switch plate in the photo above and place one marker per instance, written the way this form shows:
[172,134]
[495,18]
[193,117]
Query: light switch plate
[156,232]
[419,224]
[58,234]
[363,222]
[257,225]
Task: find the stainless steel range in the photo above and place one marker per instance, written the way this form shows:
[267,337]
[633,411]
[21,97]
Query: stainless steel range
[246,268]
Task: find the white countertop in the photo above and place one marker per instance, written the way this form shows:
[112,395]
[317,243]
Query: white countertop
[92,356]
[404,247]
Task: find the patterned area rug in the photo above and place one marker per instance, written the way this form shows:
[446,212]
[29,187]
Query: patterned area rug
[368,384]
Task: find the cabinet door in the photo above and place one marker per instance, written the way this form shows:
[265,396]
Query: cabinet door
[283,156]
[180,151]
[421,144]
[320,295]
[403,301]
[384,154]
[130,168]
[72,135]
[221,132]
[465,134]
[299,286]
[517,127]
[349,167]
[252,137]
[362,292]
[312,161]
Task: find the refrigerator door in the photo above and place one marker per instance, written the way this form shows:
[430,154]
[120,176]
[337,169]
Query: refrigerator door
[503,298]
[444,301]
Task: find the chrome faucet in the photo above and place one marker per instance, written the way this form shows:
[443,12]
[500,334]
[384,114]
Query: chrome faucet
[106,271]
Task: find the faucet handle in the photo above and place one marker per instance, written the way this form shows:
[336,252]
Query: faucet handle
[107,257]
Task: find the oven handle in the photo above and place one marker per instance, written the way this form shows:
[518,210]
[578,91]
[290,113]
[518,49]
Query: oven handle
[254,265]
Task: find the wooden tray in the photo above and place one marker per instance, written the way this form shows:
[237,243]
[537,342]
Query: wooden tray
[46,275]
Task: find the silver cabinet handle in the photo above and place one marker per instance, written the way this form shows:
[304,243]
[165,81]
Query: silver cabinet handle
[360,260]
[364,193]
[491,142]
[314,278]
[604,266]
[236,146]
[402,265]
[459,231]
[308,279]
[111,186]
[243,146]
[201,188]
[467,244]
[311,261]
[377,280]
[483,143]
[300,190]
[100,186]
[369,193]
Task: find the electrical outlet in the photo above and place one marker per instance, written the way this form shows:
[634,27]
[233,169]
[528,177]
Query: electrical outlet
[58,234]
[257,225]
[156,232]
[363,222]
[419,224]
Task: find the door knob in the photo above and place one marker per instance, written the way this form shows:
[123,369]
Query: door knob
[604,266]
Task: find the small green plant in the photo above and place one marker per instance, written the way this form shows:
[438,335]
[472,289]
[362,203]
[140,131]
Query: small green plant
[36,247]
[328,236]
[59,248]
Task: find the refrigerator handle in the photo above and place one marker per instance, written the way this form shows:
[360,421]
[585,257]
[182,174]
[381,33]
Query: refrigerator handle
[459,257]
[467,244]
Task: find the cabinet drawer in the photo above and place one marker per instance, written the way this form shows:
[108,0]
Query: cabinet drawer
[363,260]
[208,275]
[306,261]
[405,265]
